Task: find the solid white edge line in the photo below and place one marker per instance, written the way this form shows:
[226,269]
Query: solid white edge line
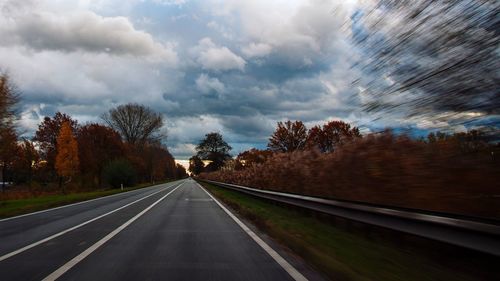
[20,250]
[294,273]
[70,264]
[78,203]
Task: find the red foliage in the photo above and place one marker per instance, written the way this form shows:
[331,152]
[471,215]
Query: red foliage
[97,146]
[289,136]
[47,133]
[252,157]
[332,135]
[450,175]
[152,161]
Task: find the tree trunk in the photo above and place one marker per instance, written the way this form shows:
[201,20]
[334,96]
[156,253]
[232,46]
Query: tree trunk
[3,177]
[61,186]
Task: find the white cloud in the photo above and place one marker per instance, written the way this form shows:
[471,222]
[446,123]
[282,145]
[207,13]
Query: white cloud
[205,84]
[192,129]
[213,57]
[79,30]
[256,50]
[298,32]
[170,2]
[222,30]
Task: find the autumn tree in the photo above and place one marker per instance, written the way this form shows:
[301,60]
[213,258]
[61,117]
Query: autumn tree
[97,146]
[8,152]
[47,134]
[196,165]
[160,164]
[67,153]
[214,149]
[180,171]
[289,136]
[8,136]
[136,123]
[252,157]
[331,135]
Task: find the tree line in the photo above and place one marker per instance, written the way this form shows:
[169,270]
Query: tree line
[455,173]
[288,137]
[124,149]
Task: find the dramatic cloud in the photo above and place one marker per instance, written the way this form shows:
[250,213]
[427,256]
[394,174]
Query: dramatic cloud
[212,57]
[80,31]
[234,67]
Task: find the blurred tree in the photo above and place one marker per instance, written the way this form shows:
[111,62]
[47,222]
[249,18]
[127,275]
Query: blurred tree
[136,123]
[288,137]
[196,165]
[332,135]
[67,154]
[215,149]
[97,146]
[436,57]
[180,171]
[46,136]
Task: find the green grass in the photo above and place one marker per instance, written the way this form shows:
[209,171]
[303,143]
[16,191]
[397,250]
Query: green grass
[9,208]
[339,254]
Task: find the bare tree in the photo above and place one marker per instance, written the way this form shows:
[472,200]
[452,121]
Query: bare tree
[9,97]
[136,123]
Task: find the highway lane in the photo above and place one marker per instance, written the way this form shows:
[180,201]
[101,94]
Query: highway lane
[39,261]
[23,230]
[180,233]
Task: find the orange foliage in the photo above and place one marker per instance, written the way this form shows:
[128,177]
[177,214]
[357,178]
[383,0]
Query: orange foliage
[67,152]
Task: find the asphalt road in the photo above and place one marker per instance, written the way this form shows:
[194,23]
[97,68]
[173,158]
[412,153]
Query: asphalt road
[174,231]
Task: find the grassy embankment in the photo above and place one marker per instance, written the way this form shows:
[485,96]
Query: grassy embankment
[339,254]
[9,208]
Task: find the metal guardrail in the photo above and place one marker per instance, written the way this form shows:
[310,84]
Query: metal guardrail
[475,235]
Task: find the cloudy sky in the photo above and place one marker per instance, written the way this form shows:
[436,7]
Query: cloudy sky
[235,67]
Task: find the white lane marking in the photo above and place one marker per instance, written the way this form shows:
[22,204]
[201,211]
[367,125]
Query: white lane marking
[74,204]
[20,250]
[67,266]
[294,273]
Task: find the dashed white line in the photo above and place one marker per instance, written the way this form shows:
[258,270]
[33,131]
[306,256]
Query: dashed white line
[20,250]
[67,266]
[294,273]
[69,205]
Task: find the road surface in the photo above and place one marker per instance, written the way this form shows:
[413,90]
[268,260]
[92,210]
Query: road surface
[174,231]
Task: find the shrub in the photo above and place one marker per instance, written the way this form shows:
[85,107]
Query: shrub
[119,172]
[452,174]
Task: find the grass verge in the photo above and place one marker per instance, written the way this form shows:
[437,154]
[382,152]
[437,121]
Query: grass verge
[337,253]
[10,208]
